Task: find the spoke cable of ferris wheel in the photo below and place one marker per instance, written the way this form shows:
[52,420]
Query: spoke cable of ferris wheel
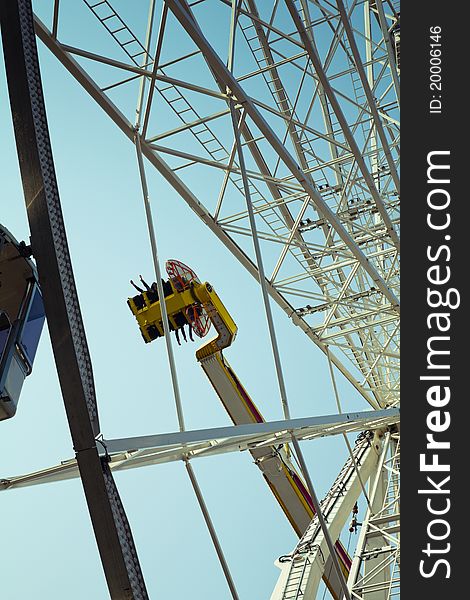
[174,375]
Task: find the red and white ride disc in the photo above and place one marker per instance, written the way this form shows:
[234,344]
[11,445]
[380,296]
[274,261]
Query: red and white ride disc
[181,276]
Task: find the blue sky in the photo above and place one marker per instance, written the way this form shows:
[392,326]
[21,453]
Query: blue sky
[48,547]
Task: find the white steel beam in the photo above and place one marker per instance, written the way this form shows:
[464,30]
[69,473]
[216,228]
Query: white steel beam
[391,55]
[128,453]
[368,92]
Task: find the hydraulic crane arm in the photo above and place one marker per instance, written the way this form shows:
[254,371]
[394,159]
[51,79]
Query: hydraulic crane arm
[273,461]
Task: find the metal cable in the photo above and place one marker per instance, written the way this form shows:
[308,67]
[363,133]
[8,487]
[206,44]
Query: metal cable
[173,371]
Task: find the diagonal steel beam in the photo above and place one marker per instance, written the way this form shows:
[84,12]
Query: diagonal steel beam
[49,243]
[388,43]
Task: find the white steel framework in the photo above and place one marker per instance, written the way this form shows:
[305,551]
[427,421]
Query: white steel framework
[375,572]
[318,157]
[301,571]
[296,116]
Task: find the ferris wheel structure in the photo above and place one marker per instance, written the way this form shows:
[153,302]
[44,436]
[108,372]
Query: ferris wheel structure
[290,110]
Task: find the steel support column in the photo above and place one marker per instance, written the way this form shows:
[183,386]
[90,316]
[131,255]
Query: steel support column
[50,249]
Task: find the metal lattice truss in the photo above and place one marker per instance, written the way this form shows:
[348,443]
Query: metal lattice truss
[375,571]
[315,88]
[301,571]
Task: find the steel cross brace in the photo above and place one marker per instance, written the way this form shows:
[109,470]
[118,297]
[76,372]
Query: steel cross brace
[129,453]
